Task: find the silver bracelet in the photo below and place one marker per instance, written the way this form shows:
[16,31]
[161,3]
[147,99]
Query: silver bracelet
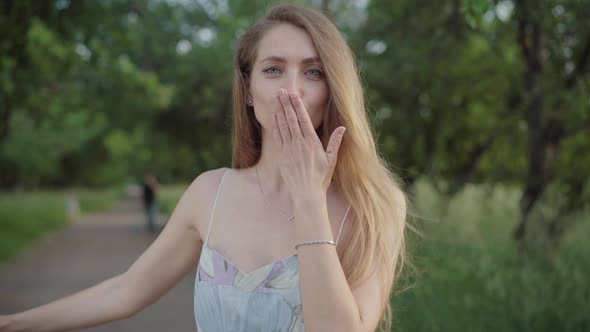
[314,242]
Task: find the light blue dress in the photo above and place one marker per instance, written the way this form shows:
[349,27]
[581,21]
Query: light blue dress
[266,299]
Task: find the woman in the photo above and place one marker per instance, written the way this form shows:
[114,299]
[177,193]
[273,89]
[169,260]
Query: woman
[308,224]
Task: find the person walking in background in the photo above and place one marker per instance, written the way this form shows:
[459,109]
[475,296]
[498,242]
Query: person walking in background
[150,189]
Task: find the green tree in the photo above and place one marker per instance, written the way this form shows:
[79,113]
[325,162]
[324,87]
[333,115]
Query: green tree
[461,93]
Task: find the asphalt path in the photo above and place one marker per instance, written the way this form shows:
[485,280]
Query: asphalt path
[86,252]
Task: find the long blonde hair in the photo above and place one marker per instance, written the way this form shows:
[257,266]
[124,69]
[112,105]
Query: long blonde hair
[376,242]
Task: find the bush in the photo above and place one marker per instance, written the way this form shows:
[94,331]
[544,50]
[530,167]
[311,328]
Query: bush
[469,274]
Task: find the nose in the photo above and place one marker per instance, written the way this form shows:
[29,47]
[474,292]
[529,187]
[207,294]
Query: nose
[293,83]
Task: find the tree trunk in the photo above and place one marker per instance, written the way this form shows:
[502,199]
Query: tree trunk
[529,38]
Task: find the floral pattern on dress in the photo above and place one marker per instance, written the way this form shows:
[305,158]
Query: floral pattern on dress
[266,299]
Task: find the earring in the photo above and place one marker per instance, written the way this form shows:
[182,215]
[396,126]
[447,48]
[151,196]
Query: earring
[250,101]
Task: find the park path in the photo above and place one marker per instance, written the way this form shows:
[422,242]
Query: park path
[86,252]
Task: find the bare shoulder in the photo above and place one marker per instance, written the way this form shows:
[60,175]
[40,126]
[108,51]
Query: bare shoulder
[201,194]
[207,180]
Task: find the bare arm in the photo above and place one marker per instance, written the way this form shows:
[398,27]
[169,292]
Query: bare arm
[329,302]
[157,270]
[99,304]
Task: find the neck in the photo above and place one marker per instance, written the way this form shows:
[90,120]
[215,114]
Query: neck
[268,168]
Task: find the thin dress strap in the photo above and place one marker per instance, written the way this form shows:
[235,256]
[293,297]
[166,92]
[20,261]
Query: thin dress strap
[214,205]
[342,224]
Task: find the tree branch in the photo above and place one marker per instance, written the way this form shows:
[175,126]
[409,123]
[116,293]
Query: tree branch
[581,65]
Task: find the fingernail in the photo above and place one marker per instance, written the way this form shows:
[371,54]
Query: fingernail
[342,131]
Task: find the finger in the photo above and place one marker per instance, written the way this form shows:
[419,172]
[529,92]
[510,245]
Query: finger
[302,116]
[275,129]
[290,115]
[334,146]
[283,126]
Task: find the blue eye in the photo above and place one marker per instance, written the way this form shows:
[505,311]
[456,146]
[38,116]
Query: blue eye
[316,73]
[272,70]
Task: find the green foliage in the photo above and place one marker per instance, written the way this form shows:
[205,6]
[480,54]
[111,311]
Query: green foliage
[96,200]
[470,276]
[53,120]
[79,93]
[25,217]
[456,95]
[168,197]
[438,89]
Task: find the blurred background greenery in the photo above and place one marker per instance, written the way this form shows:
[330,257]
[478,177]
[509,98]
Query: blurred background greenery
[481,106]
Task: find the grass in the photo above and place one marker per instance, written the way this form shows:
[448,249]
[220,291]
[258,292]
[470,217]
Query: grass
[168,197]
[93,200]
[470,275]
[25,216]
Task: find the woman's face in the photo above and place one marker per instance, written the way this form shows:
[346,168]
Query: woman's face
[287,59]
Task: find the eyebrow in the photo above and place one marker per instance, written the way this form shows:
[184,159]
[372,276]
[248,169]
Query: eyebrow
[274,58]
